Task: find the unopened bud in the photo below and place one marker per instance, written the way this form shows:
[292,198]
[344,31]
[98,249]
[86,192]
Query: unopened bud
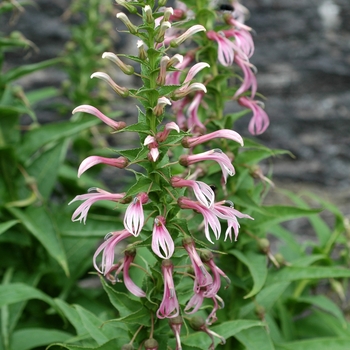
[197,323]
[142,51]
[124,18]
[127,347]
[264,245]
[162,29]
[151,344]
[148,14]
[122,91]
[280,259]
[206,255]
[167,13]
[130,250]
[260,311]
[127,69]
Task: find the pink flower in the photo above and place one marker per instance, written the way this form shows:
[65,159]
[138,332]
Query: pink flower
[225,47]
[129,284]
[120,162]
[169,307]
[243,40]
[204,194]
[212,290]
[260,120]
[163,135]
[152,144]
[94,111]
[108,247]
[80,214]
[215,154]
[210,219]
[249,80]
[162,243]
[173,78]
[190,142]
[224,210]
[202,276]
[134,217]
[193,122]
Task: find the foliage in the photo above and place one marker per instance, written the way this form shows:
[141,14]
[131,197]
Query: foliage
[279,279]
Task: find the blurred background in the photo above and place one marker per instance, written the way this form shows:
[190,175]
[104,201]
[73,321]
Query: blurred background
[303,61]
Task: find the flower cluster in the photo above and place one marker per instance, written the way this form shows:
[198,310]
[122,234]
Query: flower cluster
[174,155]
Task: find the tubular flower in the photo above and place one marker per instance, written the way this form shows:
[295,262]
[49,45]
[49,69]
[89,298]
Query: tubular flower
[87,163]
[243,40]
[80,214]
[215,154]
[224,210]
[173,78]
[204,194]
[134,218]
[125,19]
[152,144]
[249,80]
[94,111]
[189,32]
[162,243]
[108,246]
[202,276]
[208,259]
[169,307]
[162,70]
[163,135]
[125,68]
[260,120]
[193,122]
[190,142]
[210,219]
[122,91]
[225,47]
[158,110]
[129,284]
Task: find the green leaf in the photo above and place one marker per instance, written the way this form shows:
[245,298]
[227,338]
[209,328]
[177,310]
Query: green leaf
[143,184]
[15,292]
[18,72]
[35,139]
[92,325]
[45,168]
[167,89]
[121,301]
[41,225]
[266,298]
[140,317]
[226,330]
[256,155]
[72,315]
[29,338]
[278,213]
[255,338]
[325,304]
[257,266]
[317,344]
[7,225]
[113,344]
[294,273]
[138,127]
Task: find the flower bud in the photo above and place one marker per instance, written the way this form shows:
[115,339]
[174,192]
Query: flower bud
[264,245]
[127,347]
[197,323]
[124,18]
[142,51]
[151,344]
[162,29]
[127,69]
[148,14]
